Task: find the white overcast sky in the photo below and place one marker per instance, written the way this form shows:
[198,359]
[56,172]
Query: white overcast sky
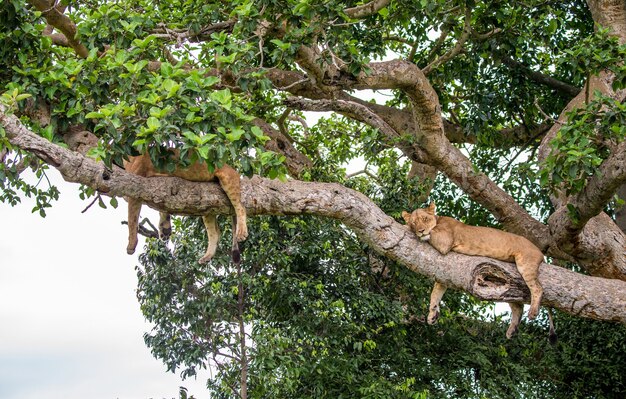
[70,324]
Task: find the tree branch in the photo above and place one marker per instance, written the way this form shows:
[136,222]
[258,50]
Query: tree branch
[566,228]
[429,131]
[467,31]
[179,35]
[295,161]
[61,22]
[562,88]
[597,243]
[367,9]
[485,278]
[360,112]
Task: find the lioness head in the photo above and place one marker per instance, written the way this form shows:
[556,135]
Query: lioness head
[421,221]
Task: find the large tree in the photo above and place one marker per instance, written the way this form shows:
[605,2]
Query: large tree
[507,114]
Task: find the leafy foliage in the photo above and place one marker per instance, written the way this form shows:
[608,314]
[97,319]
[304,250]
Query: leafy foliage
[581,146]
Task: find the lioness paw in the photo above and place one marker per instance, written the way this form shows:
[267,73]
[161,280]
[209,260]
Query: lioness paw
[532,313]
[433,315]
[242,232]
[511,331]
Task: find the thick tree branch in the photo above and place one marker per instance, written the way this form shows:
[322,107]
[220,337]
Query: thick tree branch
[610,14]
[485,278]
[595,241]
[430,134]
[592,200]
[61,22]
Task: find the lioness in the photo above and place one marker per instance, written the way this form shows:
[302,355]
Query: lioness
[229,181]
[446,234]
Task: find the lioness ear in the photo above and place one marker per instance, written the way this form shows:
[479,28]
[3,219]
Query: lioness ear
[431,208]
[406,216]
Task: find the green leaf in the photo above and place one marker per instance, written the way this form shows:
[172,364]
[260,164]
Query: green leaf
[153,124]
[94,115]
[223,97]
[235,134]
[22,96]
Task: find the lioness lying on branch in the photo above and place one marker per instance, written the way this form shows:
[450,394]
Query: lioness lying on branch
[446,234]
[198,172]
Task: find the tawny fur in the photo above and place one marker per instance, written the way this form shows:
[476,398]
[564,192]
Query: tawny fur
[446,234]
[230,182]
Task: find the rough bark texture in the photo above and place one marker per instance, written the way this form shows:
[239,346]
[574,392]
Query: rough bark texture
[585,296]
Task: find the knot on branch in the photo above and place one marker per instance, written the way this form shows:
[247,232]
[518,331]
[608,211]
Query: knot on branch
[498,282]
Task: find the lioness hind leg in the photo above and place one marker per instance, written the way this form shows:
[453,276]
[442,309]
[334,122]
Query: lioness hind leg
[213,237]
[528,267]
[134,207]
[435,297]
[516,316]
[231,184]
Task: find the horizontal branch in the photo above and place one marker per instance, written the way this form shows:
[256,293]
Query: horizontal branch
[367,9]
[592,297]
[204,33]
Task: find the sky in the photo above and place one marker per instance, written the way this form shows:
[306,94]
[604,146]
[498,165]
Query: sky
[70,323]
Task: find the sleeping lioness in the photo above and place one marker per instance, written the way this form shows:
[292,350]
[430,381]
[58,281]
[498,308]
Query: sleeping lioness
[198,172]
[446,234]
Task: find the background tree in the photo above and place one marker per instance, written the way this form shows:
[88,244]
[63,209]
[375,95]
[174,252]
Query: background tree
[506,114]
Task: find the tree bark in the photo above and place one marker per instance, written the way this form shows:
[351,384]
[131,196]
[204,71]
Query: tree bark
[488,279]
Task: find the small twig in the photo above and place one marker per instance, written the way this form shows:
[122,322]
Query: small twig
[141,229]
[301,121]
[281,124]
[96,198]
[438,44]
[486,35]
[467,29]
[546,116]
[146,220]
[293,84]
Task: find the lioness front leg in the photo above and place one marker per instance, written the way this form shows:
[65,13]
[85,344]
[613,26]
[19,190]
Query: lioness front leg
[516,315]
[213,237]
[442,241]
[134,207]
[528,267]
[435,298]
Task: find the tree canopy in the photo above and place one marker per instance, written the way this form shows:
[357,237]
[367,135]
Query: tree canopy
[506,114]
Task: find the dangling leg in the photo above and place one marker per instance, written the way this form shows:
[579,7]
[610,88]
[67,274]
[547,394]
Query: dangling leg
[165,226]
[435,297]
[213,237]
[516,316]
[528,267]
[134,207]
[231,184]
